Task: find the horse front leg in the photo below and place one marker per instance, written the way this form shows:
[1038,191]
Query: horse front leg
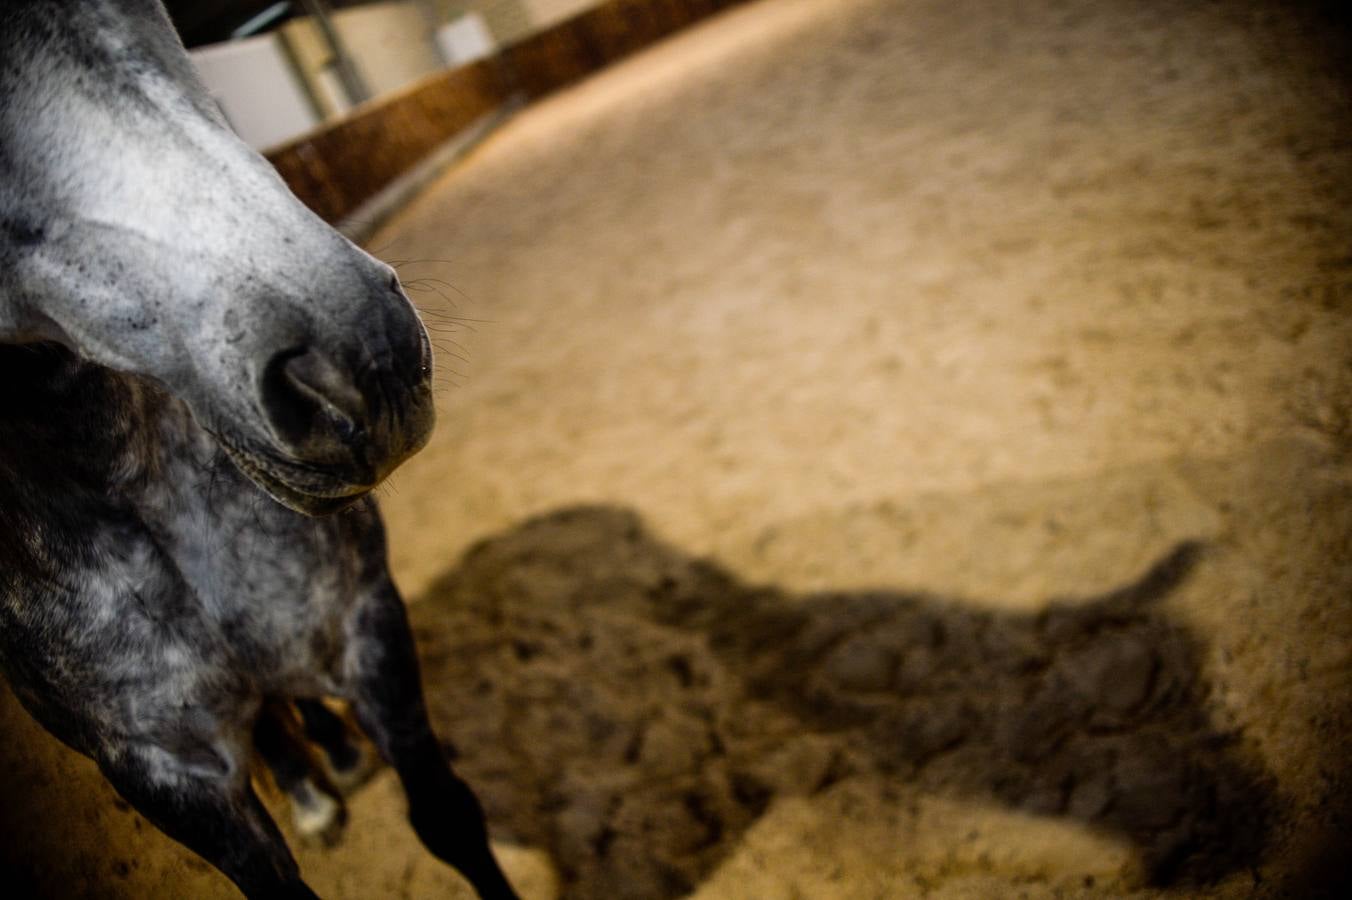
[218,818]
[387,697]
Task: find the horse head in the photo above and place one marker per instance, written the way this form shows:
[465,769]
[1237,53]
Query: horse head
[137,230]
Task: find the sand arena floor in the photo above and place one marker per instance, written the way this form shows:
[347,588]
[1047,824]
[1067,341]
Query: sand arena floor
[887,449]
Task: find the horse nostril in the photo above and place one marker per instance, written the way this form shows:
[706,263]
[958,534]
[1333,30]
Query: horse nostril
[307,398]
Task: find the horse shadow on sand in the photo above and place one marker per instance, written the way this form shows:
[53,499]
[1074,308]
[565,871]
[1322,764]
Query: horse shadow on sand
[634,710]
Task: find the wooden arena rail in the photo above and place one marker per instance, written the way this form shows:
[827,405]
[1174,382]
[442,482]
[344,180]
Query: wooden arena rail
[590,41]
[338,167]
[342,165]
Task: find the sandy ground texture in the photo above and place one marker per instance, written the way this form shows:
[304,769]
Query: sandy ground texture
[887,449]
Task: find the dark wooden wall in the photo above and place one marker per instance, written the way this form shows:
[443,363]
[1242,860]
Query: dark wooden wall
[588,42]
[337,168]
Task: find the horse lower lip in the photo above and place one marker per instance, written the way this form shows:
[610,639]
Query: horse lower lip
[339,491]
[308,501]
[302,499]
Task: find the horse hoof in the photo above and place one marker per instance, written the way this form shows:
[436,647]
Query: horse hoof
[318,816]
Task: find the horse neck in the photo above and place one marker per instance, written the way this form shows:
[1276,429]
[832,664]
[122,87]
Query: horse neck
[71,425]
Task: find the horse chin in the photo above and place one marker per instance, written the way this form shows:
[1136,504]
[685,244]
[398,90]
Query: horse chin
[302,501]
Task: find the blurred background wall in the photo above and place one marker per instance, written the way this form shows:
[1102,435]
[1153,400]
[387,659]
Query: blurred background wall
[356,103]
[280,69]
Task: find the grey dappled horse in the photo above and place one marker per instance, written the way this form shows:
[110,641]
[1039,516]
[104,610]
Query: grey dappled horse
[194,366]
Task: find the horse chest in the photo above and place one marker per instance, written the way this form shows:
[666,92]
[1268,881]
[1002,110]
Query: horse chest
[272,588]
[145,539]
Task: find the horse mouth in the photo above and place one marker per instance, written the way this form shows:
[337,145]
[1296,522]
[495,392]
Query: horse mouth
[322,496]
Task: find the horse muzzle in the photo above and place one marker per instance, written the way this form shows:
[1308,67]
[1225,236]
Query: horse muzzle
[338,429]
